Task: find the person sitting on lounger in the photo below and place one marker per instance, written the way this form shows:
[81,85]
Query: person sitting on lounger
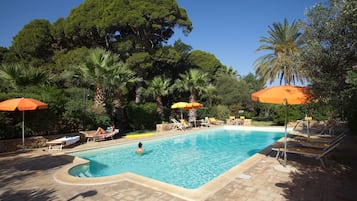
[109,129]
[140,149]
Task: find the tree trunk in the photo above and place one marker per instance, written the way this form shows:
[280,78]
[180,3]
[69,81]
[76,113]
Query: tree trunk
[99,99]
[192,113]
[118,112]
[159,109]
[138,93]
[210,102]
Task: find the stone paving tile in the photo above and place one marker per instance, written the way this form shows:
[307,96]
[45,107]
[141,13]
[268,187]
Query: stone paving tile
[29,176]
[311,182]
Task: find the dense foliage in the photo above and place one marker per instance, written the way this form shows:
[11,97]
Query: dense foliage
[321,50]
[330,57]
[109,62]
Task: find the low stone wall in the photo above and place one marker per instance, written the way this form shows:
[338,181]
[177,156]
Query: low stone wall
[30,142]
[241,122]
[247,122]
[163,127]
[15,144]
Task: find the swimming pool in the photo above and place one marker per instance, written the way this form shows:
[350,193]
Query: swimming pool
[188,161]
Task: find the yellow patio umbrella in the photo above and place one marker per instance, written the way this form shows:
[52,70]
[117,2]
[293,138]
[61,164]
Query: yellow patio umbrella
[179,105]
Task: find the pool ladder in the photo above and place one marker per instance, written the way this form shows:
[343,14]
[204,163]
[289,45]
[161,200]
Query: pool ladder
[85,174]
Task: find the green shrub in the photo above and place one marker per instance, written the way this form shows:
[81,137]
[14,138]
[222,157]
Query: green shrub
[351,114]
[203,112]
[221,112]
[8,131]
[36,122]
[142,116]
[294,113]
[268,118]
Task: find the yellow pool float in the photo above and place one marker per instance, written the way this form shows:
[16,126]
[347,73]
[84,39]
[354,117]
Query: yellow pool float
[140,135]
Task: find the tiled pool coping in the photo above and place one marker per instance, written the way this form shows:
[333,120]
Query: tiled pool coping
[201,193]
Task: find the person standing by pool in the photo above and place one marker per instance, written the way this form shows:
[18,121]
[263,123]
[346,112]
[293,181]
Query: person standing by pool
[140,149]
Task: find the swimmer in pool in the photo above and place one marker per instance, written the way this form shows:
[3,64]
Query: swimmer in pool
[140,149]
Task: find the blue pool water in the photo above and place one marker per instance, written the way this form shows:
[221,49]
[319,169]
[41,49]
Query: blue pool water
[188,161]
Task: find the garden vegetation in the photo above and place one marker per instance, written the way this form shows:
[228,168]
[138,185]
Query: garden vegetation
[109,62]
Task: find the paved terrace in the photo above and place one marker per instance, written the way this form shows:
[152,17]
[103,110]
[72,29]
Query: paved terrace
[29,175]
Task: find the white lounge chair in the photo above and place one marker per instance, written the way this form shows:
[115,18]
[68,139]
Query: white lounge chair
[177,125]
[205,122]
[59,143]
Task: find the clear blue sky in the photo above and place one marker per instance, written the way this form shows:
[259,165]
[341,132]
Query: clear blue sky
[229,29]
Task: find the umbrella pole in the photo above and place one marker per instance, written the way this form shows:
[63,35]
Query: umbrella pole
[23,130]
[308,131]
[286,125]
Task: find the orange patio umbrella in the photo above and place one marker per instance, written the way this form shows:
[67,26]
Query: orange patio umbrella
[22,104]
[193,105]
[294,95]
[283,95]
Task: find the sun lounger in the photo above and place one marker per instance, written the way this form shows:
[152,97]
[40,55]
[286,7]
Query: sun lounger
[312,144]
[317,153]
[205,122]
[88,135]
[319,138]
[177,125]
[185,124]
[59,143]
[322,142]
[214,121]
[106,135]
[315,129]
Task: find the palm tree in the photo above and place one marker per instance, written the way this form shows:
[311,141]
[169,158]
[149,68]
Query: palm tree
[228,71]
[211,94]
[17,76]
[109,76]
[195,82]
[158,88]
[285,43]
[118,86]
[98,71]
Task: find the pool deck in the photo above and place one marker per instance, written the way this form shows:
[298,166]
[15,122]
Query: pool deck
[34,175]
